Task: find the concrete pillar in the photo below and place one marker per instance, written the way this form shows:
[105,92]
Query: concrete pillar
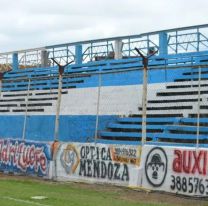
[44,58]
[163,43]
[15,63]
[118,48]
[78,54]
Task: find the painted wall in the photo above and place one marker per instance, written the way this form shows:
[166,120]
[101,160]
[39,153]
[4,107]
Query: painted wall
[96,163]
[179,170]
[76,128]
[29,158]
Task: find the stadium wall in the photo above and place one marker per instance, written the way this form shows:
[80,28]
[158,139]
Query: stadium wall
[178,170]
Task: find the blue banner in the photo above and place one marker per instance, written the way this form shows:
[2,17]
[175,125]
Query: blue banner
[17,156]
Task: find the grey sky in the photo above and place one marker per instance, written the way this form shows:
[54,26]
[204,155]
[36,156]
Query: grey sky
[36,23]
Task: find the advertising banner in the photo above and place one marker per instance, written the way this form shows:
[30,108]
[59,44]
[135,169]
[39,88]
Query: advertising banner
[98,163]
[17,156]
[180,170]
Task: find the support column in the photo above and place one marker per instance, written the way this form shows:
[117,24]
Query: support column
[78,54]
[163,43]
[118,48]
[15,64]
[44,58]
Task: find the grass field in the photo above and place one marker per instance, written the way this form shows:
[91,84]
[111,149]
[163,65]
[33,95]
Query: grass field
[17,191]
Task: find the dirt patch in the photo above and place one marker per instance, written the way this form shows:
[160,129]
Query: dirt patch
[136,196]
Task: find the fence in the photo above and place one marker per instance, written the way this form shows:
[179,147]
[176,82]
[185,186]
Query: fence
[104,102]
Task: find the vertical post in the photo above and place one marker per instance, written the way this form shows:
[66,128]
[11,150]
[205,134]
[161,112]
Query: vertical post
[25,60]
[144,103]
[98,106]
[129,46]
[1,77]
[44,58]
[26,107]
[15,64]
[163,43]
[67,53]
[91,51]
[58,105]
[176,50]
[198,112]
[198,40]
[118,48]
[144,99]
[148,44]
[78,54]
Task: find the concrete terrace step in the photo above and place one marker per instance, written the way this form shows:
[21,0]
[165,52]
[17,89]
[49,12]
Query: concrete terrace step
[124,134]
[158,127]
[138,119]
[122,142]
[179,136]
[193,120]
[133,126]
[154,136]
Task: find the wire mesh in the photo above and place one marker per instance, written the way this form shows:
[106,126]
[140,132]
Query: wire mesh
[107,105]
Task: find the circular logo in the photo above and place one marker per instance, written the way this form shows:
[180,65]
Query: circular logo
[70,159]
[156,166]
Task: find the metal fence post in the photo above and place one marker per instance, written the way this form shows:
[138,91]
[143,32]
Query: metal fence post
[98,105]
[144,98]
[144,106]
[1,78]
[26,107]
[198,109]
[58,105]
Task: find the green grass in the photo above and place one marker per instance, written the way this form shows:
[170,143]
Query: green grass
[14,192]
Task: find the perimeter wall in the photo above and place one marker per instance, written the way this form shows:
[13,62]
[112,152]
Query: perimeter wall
[179,170]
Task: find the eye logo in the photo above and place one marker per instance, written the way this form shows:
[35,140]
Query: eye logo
[70,159]
[156,166]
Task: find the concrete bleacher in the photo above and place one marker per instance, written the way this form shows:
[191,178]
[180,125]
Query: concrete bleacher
[171,114]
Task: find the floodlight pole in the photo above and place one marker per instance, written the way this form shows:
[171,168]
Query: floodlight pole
[145,60]
[58,105]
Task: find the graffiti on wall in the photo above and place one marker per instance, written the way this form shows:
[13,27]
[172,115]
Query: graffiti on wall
[97,162]
[178,170]
[24,157]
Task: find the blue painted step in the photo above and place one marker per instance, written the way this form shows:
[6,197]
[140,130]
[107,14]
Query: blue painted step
[179,136]
[127,142]
[161,127]
[124,134]
[154,136]
[138,119]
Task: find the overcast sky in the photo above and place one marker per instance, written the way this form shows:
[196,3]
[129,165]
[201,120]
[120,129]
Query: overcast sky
[36,23]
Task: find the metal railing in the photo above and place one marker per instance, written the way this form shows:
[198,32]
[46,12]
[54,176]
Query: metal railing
[172,41]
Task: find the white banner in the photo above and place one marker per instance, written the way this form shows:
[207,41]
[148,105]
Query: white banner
[180,170]
[96,163]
